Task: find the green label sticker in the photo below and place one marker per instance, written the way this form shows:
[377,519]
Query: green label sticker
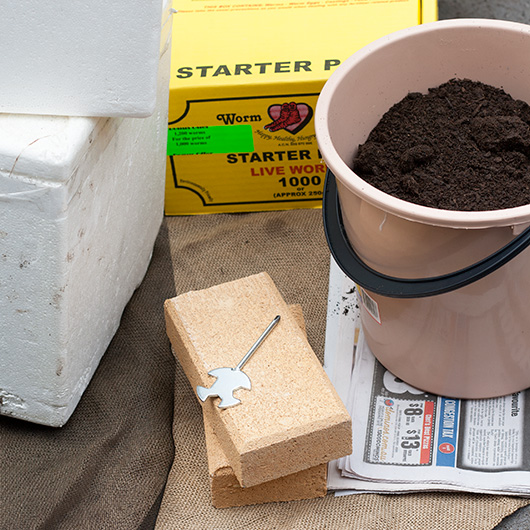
[210,140]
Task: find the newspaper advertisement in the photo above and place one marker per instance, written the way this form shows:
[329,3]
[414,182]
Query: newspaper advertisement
[405,439]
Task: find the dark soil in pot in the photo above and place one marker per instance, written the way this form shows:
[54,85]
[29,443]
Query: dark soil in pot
[463,146]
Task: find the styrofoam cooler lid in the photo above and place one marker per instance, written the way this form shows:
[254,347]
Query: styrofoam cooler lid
[76,58]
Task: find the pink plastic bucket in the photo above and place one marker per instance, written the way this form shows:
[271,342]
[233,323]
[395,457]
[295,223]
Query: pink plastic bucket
[446,293]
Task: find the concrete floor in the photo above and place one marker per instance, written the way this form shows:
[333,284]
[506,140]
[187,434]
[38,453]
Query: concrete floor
[517,11]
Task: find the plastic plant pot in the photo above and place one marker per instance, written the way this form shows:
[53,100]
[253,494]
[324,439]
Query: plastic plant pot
[444,293]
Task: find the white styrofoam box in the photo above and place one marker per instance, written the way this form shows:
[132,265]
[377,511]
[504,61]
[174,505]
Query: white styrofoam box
[81,203]
[79,58]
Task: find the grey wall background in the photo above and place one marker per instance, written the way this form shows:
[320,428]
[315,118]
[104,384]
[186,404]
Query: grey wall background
[516,10]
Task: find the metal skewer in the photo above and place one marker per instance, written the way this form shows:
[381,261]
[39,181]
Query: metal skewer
[231,379]
[257,344]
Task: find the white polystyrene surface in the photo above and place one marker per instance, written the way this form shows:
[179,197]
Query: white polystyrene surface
[77,58]
[72,250]
[44,146]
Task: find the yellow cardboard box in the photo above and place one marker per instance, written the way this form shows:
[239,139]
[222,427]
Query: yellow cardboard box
[245,80]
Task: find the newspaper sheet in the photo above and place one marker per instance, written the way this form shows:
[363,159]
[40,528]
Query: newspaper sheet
[408,440]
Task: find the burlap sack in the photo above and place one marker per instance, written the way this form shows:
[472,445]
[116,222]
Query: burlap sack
[107,468]
[291,247]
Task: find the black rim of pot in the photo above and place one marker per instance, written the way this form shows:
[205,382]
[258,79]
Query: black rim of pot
[371,280]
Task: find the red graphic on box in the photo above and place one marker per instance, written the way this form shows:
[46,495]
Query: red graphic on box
[292,117]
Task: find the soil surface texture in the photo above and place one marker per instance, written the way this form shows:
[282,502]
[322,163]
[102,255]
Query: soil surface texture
[463,146]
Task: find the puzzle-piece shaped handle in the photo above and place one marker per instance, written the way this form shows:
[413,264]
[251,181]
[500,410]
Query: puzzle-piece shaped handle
[228,381]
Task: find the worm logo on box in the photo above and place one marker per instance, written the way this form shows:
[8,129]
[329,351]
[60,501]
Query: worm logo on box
[291,117]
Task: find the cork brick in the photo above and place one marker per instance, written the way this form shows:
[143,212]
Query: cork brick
[292,419]
[225,489]
[227,492]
